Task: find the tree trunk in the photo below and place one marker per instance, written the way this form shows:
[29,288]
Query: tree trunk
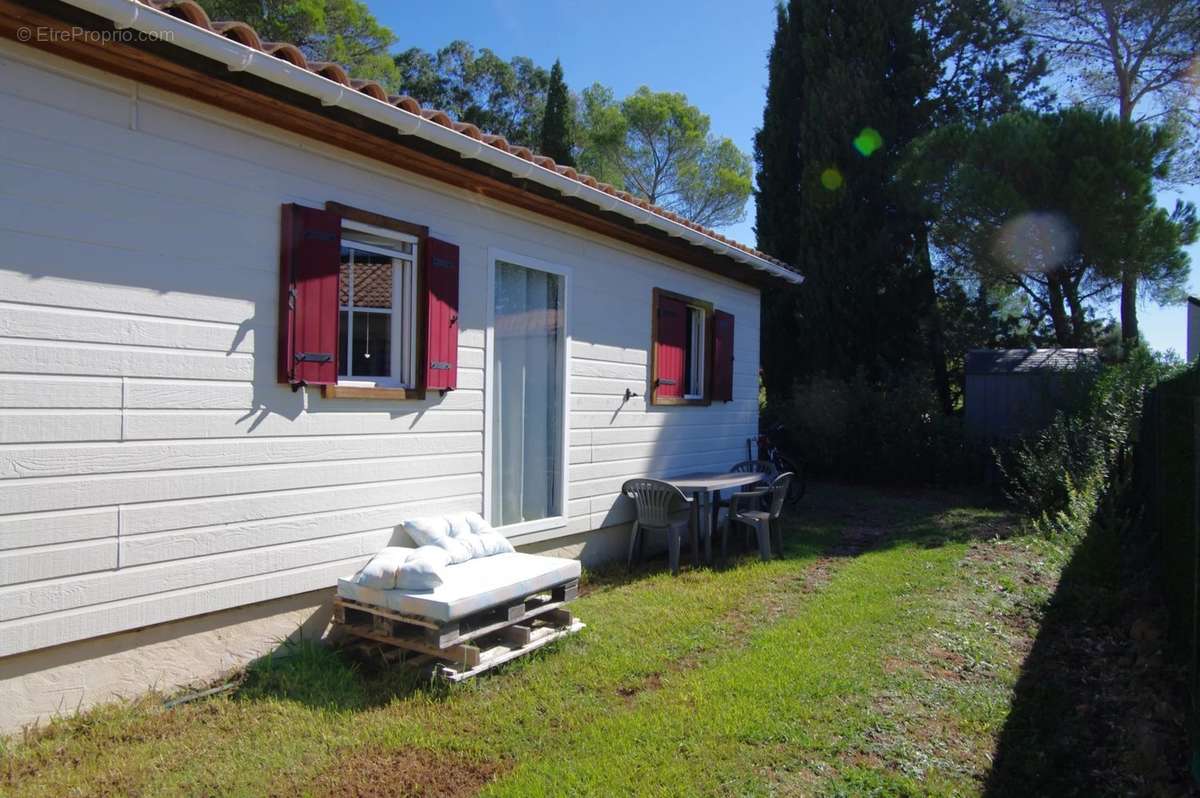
[1078,317]
[1129,322]
[1058,314]
[933,323]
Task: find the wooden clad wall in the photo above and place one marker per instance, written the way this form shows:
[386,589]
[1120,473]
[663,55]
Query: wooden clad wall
[152,468]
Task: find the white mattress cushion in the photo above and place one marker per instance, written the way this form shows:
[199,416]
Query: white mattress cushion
[471,586]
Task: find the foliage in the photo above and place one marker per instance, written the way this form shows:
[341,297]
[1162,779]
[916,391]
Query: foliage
[558,121]
[657,145]
[841,72]
[1057,477]
[885,432]
[989,66]
[342,31]
[1057,207]
[1137,57]
[507,98]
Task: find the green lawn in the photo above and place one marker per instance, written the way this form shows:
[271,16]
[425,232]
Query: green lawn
[878,657]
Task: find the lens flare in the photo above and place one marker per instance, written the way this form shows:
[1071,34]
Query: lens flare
[868,141]
[1035,241]
[831,179]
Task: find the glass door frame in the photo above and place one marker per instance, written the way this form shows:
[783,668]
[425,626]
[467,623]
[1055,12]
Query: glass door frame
[542,528]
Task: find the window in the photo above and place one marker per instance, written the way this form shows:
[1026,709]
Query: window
[377,304]
[368,305]
[527,376]
[693,378]
[681,349]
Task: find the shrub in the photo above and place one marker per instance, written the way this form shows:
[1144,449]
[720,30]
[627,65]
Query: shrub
[860,430]
[1056,477]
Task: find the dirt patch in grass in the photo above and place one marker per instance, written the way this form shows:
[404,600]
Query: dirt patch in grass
[413,773]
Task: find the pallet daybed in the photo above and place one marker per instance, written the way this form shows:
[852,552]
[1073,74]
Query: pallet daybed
[486,612]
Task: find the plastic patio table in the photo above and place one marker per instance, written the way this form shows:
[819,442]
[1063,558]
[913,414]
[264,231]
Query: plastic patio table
[703,486]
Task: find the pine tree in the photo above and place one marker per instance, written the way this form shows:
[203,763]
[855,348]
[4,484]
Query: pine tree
[846,94]
[557,123]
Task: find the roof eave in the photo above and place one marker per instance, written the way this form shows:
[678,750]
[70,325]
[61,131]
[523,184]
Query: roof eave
[237,57]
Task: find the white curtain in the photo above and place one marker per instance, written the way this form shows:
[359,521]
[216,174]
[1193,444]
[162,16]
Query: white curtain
[527,395]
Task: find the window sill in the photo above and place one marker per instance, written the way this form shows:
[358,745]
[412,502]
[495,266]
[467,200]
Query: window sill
[370,392]
[676,400]
[527,531]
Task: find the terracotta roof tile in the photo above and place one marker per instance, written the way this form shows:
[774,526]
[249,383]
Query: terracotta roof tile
[330,70]
[286,52]
[371,88]
[240,32]
[406,103]
[191,12]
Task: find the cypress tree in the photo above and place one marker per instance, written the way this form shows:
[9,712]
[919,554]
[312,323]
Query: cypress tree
[847,80]
[556,139]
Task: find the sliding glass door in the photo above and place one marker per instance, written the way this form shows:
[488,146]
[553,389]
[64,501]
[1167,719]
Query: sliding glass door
[527,363]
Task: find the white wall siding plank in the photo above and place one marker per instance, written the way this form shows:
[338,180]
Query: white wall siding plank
[38,632]
[42,460]
[73,492]
[39,391]
[24,601]
[162,516]
[27,426]
[201,541]
[57,357]
[63,324]
[42,529]
[71,559]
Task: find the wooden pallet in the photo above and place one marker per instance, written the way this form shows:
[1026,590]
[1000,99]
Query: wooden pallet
[469,646]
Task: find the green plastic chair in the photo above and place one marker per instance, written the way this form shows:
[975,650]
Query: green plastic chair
[747,508]
[661,507]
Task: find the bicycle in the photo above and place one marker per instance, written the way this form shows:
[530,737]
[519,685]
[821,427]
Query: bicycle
[770,451]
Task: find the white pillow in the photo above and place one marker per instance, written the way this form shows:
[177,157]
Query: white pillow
[494,543]
[465,536]
[425,531]
[477,524]
[459,525]
[423,569]
[380,571]
[455,547]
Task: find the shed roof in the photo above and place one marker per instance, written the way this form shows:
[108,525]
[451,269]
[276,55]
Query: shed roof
[1014,361]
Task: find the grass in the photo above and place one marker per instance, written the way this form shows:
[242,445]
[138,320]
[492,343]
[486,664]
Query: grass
[878,658]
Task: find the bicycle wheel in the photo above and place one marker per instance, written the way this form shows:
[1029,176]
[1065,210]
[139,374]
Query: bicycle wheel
[798,486]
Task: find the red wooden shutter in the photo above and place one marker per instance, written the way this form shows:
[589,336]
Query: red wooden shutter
[722,357]
[669,345]
[308,311]
[441,340]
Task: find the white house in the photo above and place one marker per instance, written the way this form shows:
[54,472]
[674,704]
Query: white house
[254,314]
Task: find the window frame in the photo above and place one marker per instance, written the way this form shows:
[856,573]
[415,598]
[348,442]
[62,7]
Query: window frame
[703,399]
[542,528]
[357,219]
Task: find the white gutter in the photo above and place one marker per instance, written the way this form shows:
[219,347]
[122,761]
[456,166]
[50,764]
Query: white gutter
[240,58]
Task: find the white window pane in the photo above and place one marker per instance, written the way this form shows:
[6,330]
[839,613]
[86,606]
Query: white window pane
[527,415]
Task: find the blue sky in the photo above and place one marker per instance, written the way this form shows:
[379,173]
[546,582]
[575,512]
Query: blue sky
[713,51]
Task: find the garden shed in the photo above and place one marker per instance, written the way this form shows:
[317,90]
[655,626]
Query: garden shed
[1014,391]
